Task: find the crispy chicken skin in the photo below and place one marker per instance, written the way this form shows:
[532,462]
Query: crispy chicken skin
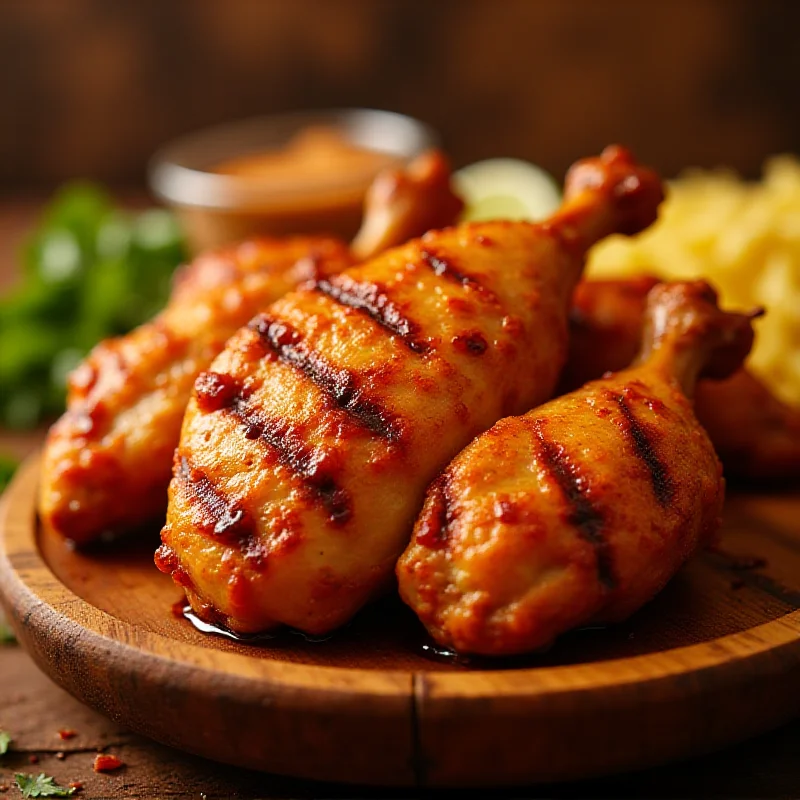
[307,448]
[108,460]
[756,436]
[581,510]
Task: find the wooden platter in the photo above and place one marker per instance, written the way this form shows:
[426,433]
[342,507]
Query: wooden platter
[713,660]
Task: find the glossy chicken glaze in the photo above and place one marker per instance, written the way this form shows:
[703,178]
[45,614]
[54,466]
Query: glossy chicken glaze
[581,510]
[108,460]
[756,436]
[308,446]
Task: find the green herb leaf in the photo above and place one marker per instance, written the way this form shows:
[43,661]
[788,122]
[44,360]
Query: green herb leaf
[90,272]
[5,741]
[8,467]
[41,786]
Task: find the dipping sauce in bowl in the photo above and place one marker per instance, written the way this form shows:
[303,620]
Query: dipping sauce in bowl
[292,173]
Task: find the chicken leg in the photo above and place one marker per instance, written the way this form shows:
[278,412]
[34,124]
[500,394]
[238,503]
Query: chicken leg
[307,447]
[581,510]
[756,436]
[108,460]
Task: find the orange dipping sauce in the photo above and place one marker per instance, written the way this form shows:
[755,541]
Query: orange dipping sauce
[317,156]
[288,174]
[315,184]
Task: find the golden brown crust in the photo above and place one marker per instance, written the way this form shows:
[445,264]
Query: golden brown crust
[345,410]
[558,518]
[352,394]
[108,460]
[581,510]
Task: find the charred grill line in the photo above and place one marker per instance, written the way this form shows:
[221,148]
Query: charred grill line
[663,487]
[584,514]
[444,267]
[214,390]
[372,300]
[340,385]
[435,522]
[297,456]
[217,514]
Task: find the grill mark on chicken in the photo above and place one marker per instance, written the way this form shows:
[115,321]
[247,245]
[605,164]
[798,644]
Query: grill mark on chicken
[636,432]
[372,300]
[214,390]
[584,515]
[444,267]
[340,385]
[308,463]
[216,514]
[434,524]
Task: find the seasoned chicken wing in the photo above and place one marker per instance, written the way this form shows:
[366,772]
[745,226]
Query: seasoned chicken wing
[306,450]
[581,510]
[108,460]
[756,436]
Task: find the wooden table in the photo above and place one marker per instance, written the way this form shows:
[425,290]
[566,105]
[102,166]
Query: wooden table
[33,710]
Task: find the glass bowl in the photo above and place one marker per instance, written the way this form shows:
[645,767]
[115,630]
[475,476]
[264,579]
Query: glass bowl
[217,204]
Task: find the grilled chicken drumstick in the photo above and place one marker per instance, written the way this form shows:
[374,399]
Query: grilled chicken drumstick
[581,510]
[756,436]
[108,460]
[404,203]
[307,448]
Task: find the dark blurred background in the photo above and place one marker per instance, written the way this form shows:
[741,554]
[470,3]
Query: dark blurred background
[90,88]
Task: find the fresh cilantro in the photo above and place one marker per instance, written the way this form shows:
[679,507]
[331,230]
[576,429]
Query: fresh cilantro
[5,741]
[6,634]
[41,786]
[89,271]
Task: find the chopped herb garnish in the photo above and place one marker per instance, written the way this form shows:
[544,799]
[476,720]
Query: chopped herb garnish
[41,786]
[5,741]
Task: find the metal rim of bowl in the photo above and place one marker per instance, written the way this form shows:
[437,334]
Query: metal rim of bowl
[178,172]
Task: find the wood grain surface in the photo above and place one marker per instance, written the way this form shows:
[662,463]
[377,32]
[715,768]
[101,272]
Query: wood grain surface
[714,659]
[34,709]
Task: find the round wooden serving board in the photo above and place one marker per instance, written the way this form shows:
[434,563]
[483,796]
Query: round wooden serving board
[712,660]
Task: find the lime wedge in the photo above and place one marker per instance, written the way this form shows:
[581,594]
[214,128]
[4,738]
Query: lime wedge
[506,188]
